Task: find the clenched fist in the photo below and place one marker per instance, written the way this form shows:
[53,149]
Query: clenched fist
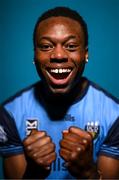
[40,148]
[76,150]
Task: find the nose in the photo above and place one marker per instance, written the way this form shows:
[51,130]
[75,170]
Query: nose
[59,54]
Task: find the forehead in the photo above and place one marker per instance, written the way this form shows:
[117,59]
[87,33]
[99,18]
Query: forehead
[59,25]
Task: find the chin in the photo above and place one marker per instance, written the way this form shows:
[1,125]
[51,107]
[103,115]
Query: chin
[59,91]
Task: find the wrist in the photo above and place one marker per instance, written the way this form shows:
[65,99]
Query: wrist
[35,171]
[91,173]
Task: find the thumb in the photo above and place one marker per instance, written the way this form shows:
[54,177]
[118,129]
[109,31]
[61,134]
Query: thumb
[33,131]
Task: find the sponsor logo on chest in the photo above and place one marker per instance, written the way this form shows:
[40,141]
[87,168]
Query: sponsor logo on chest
[30,125]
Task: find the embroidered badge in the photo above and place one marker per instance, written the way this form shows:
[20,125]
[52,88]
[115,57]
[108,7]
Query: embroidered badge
[3,135]
[31,124]
[93,128]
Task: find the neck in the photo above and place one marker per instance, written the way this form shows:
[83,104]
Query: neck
[76,92]
[57,105]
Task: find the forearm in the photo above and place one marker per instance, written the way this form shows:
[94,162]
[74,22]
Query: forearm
[14,166]
[90,173]
[35,171]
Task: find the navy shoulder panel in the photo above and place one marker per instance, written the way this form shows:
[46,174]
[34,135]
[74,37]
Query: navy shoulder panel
[112,137]
[110,145]
[104,91]
[7,122]
[10,142]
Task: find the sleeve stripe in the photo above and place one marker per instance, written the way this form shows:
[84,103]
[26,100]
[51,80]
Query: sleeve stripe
[114,151]
[7,151]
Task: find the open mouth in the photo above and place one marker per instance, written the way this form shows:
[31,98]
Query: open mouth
[59,73]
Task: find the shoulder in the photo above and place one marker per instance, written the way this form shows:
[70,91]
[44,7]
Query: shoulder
[22,103]
[22,98]
[101,96]
[102,92]
[103,104]
[22,93]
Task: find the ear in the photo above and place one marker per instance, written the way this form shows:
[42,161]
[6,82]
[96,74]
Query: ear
[86,55]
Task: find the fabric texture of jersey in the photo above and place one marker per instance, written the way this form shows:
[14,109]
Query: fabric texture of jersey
[96,111]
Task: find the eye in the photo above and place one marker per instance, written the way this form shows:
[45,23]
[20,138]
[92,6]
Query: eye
[45,47]
[71,47]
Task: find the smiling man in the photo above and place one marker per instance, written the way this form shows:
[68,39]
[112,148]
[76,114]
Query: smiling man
[60,53]
[64,126]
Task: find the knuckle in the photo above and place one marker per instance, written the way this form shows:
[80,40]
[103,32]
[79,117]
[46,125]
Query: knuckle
[89,137]
[44,133]
[26,142]
[85,141]
[37,135]
[39,161]
[78,150]
[54,155]
[54,158]
[48,138]
[53,146]
[48,162]
[71,128]
[73,156]
[40,134]
[61,142]
[29,148]
[34,155]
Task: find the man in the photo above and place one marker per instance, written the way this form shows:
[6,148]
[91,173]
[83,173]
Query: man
[65,126]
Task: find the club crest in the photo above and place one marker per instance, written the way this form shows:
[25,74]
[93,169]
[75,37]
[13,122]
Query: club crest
[93,128]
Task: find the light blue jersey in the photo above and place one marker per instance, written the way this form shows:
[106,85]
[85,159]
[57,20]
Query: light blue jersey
[95,111]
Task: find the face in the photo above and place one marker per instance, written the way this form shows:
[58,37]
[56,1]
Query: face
[60,53]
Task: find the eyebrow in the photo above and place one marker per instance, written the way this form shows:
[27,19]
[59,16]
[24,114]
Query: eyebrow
[50,38]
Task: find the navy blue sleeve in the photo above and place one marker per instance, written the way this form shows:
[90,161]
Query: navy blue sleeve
[10,143]
[110,146]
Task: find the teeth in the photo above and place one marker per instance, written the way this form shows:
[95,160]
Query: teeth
[60,71]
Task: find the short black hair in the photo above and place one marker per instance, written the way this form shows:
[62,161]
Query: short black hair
[65,12]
